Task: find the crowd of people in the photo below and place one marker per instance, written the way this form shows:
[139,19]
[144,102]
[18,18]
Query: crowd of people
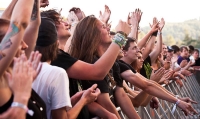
[55,68]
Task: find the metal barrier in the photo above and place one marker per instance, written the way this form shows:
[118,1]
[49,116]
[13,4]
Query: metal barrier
[190,89]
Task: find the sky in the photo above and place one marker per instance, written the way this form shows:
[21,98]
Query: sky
[170,10]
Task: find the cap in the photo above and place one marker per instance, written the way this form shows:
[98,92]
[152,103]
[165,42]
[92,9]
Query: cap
[47,34]
[170,49]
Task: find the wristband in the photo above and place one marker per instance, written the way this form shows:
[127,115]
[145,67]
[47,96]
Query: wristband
[120,40]
[20,105]
[155,33]
[73,24]
[174,108]
[159,33]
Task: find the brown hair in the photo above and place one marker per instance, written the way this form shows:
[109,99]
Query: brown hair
[53,14]
[49,53]
[128,42]
[86,39]
[183,47]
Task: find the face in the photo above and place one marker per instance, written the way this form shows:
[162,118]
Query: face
[132,52]
[164,49]
[23,46]
[139,60]
[105,38]
[184,53]
[63,29]
[196,55]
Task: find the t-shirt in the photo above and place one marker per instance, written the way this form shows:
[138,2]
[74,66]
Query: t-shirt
[35,103]
[180,59]
[146,68]
[197,62]
[65,61]
[125,68]
[52,85]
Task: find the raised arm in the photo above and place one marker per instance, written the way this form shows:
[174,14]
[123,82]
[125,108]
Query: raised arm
[8,11]
[19,21]
[101,67]
[158,49]
[31,32]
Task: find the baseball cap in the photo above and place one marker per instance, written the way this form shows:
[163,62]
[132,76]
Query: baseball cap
[170,49]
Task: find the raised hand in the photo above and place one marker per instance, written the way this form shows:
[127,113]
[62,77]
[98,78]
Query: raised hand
[44,3]
[34,59]
[154,103]
[177,74]
[91,94]
[106,15]
[72,18]
[155,25]
[187,99]
[21,79]
[123,26]
[161,24]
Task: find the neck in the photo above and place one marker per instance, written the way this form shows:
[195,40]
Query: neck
[125,59]
[102,49]
[62,43]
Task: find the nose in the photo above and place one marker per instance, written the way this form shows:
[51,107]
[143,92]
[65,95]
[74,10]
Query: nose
[24,45]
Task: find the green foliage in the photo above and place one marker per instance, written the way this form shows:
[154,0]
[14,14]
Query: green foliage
[184,33]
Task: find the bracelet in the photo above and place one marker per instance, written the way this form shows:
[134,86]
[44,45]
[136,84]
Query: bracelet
[174,108]
[159,33]
[120,40]
[20,105]
[73,24]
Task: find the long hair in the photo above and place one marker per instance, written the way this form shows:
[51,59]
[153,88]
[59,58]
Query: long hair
[86,39]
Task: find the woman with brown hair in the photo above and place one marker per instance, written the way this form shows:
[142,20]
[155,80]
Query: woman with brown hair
[89,42]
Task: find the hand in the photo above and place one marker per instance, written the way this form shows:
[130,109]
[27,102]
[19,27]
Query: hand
[44,3]
[185,72]
[72,18]
[154,103]
[161,24]
[174,59]
[154,26]
[177,74]
[123,26]
[34,59]
[191,63]
[179,82]
[91,94]
[187,108]
[13,113]
[106,15]
[187,99]
[21,79]
[157,75]
[183,63]
[167,75]
[133,20]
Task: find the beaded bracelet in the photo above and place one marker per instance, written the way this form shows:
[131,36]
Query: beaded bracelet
[20,105]
[120,40]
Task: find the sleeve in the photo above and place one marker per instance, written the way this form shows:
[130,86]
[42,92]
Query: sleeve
[116,75]
[59,91]
[179,60]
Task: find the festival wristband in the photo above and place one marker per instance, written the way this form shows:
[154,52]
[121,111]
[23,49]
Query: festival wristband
[174,108]
[120,40]
[20,105]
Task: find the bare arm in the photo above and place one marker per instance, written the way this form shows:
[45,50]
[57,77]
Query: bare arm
[148,49]
[8,11]
[99,69]
[31,32]
[19,20]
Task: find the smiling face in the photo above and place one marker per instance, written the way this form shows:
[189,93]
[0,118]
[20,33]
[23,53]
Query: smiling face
[63,29]
[131,53]
[139,61]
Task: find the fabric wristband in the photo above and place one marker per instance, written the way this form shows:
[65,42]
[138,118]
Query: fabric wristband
[174,107]
[119,39]
[20,105]
[155,33]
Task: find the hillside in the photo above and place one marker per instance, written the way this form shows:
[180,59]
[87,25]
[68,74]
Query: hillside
[187,32]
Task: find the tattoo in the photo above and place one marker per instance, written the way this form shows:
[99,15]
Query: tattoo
[12,30]
[35,10]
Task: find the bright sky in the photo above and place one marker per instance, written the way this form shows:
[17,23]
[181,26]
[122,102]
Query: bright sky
[170,10]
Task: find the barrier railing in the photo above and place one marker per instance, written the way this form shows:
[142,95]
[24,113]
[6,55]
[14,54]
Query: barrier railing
[190,88]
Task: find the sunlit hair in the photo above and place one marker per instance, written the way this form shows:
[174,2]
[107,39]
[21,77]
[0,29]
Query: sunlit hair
[53,14]
[86,39]
[3,23]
